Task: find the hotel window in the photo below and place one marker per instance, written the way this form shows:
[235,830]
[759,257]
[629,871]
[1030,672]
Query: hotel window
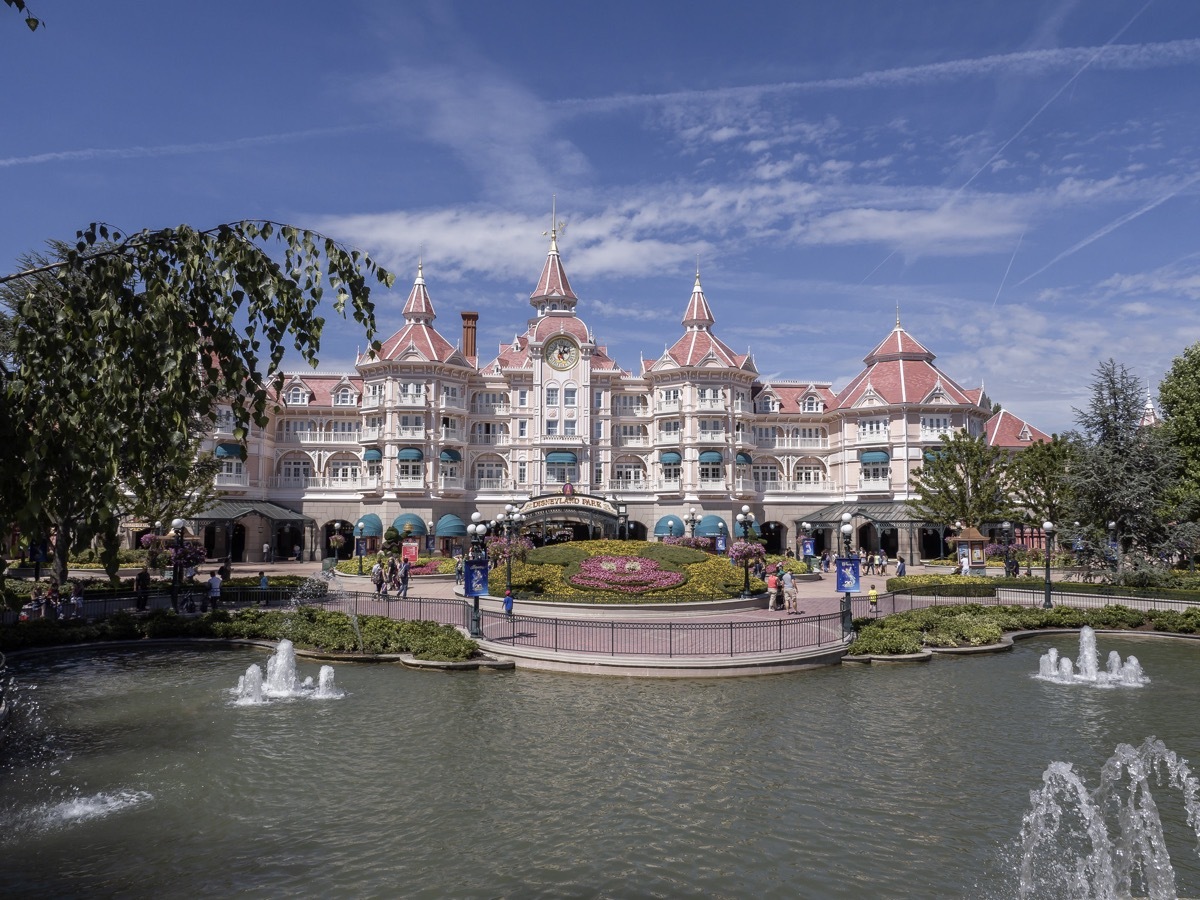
[231,467]
[670,471]
[812,404]
[523,397]
[569,428]
[598,475]
[712,471]
[872,429]
[669,430]
[343,470]
[810,474]
[569,395]
[598,430]
[552,428]
[552,396]
[296,469]
[521,476]
[522,428]
[712,426]
[344,428]
[297,396]
[344,397]
[598,397]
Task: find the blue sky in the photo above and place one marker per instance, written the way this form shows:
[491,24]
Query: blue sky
[1021,178]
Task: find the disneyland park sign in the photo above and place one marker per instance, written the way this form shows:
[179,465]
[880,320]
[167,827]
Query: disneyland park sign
[568,500]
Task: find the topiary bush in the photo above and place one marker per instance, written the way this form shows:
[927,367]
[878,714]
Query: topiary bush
[885,642]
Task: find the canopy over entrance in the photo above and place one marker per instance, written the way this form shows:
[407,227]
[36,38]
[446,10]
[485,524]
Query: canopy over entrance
[601,516]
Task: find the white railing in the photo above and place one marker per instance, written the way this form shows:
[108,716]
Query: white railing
[874,484]
[490,439]
[935,436]
[372,402]
[451,434]
[409,484]
[873,437]
[451,482]
[296,482]
[371,433]
[628,484]
[410,400]
[663,406]
[712,484]
[411,432]
[667,437]
[320,437]
[629,440]
[709,405]
[791,443]
[619,410]
[559,440]
[743,406]
[449,402]
[668,484]
[489,484]
[226,480]
[711,437]
[491,409]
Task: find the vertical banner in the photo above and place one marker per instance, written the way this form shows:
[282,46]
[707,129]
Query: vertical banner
[720,543]
[429,539]
[808,547]
[410,550]
[847,575]
[475,577]
[360,546]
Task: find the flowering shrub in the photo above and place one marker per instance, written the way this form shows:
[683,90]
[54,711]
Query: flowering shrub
[747,551]
[189,556]
[630,574]
[696,543]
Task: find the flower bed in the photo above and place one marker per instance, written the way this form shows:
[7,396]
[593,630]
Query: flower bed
[629,574]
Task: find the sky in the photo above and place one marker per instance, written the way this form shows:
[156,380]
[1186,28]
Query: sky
[1019,179]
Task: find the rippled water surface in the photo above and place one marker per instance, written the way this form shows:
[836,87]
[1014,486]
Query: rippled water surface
[134,774]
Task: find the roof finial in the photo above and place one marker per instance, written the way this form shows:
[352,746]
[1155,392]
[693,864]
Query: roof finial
[897,313]
[556,227]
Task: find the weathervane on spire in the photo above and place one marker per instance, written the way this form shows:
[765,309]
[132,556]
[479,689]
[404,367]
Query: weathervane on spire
[897,313]
[555,229]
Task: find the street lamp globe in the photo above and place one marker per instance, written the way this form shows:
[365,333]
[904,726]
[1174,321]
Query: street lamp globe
[178,525]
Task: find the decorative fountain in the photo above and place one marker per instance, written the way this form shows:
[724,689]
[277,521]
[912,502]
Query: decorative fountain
[281,681]
[1068,846]
[1060,670]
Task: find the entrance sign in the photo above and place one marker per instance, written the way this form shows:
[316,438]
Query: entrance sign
[568,501]
[475,577]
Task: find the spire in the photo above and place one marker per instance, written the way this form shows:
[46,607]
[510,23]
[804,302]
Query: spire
[553,284]
[1149,413]
[419,308]
[698,314]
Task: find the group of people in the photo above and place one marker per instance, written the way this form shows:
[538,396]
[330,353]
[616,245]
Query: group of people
[781,591]
[53,605]
[391,573]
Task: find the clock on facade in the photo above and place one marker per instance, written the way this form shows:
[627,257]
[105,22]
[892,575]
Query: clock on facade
[562,353]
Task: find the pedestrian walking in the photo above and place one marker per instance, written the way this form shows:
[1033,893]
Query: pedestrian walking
[508,603]
[789,593]
[377,577]
[214,590]
[141,588]
[405,567]
[873,600]
[266,552]
[881,563]
[901,569]
[772,589]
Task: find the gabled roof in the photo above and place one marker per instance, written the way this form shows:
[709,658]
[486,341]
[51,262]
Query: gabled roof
[1012,432]
[900,370]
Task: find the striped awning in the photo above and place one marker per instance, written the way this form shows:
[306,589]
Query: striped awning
[670,458]
[710,457]
[411,521]
[451,525]
[372,526]
[228,451]
[874,457]
[410,454]
[743,459]
[450,455]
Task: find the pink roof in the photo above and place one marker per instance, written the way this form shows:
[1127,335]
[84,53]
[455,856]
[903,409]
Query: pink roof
[322,386]
[791,396]
[553,282]
[901,370]
[1012,433]
[418,334]
[698,342]
[419,307]
[698,311]
[548,326]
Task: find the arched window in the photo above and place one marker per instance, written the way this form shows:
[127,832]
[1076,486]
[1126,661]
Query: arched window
[297,395]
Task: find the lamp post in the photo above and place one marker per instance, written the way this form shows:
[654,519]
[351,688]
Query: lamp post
[1048,529]
[510,521]
[746,519]
[847,614]
[337,532]
[670,528]
[1006,530]
[805,530]
[477,529]
[358,542]
[692,519]
[1112,542]
[177,525]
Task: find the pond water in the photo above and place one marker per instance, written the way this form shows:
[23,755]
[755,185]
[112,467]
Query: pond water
[136,773]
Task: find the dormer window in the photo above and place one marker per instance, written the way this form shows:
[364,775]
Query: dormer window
[812,404]
[297,396]
[344,396]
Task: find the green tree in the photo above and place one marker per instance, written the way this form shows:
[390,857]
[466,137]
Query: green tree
[964,480]
[1122,472]
[1179,397]
[1040,487]
[124,349]
[20,6]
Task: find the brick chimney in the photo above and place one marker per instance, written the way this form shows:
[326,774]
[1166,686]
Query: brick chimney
[470,319]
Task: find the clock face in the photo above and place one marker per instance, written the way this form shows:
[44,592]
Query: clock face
[562,353]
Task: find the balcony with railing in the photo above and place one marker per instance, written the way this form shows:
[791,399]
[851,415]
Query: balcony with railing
[408,484]
[874,484]
[563,440]
[629,485]
[493,440]
[872,436]
[711,404]
[371,433]
[229,479]
[630,411]
[451,483]
[667,437]
[712,437]
[935,435]
[744,407]
[411,400]
[631,440]
[667,406]
[713,484]
[450,401]
[411,432]
[491,409]
[372,402]
[669,484]
[491,485]
[320,437]
[770,442]
[454,435]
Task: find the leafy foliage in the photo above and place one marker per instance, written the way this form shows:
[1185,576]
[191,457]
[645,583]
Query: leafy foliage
[138,341]
[30,21]
[964,480]
[1040,487]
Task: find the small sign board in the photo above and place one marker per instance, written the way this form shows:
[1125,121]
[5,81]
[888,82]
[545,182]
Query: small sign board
[360,546]
[410,550]
[475,577]
[848,574]
[720,543]
[808,547]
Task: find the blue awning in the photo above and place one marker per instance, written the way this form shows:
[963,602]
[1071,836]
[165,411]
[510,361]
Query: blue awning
[372,526]
[743,459]
[669,526]
[670,458]
[874,457]
[933,455]
[372,455]
[562,457]
[709,457]
[228,451]
[710,526]
[451,525]
[410,454]
[450,455]
[414,523]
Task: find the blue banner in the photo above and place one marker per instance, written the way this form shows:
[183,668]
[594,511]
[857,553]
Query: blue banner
[360,546]
[808,547]
[475,577]
[847,574]
[720,543]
